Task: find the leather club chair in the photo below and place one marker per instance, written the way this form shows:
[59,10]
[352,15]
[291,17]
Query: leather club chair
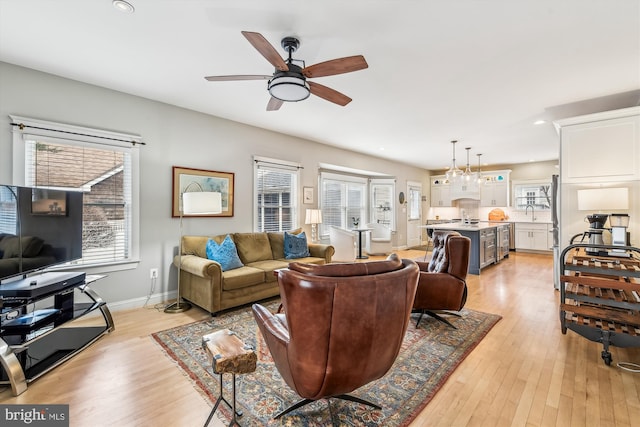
[442,285]
[341,325]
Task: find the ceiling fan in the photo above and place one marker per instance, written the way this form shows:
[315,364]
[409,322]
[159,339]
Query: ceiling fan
[289,81]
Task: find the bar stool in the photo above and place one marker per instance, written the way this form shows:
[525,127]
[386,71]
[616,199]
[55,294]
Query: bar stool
[228,354]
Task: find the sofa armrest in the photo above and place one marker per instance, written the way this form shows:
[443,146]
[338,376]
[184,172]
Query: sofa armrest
[199,266]
[319,250]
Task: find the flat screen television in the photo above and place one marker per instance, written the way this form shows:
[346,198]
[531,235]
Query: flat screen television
[39,228]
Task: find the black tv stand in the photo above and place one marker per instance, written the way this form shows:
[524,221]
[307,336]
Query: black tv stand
[32,342]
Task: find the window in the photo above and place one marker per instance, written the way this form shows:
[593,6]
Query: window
[276,190]
[536,194]
[342,200]
[414,201]
[101,165]
[382,198]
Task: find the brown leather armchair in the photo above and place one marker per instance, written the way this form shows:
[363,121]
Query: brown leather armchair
[342,325]
[442,285]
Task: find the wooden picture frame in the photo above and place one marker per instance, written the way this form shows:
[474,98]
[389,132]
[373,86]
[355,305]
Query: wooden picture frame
[48,202]
[190,179]
[307,195]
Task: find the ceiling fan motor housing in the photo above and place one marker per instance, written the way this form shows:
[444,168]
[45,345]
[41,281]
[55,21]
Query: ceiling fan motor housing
[289,86]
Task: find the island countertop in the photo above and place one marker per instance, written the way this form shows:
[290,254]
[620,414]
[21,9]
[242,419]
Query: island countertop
[458,226]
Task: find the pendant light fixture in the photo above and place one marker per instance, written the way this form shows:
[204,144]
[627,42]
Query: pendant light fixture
[467,175]
[454,172]
[478,173]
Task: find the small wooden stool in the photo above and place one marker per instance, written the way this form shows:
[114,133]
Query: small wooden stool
[228,354]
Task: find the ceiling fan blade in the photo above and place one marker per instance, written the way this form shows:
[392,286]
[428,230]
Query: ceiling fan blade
[336,66]
[329,94]
[274,104]
[266,49]
[237,77]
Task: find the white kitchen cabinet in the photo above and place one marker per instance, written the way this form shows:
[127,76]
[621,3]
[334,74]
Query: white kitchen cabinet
[494,194]
[494,190]
[533,236]
[602,147]
[440,192]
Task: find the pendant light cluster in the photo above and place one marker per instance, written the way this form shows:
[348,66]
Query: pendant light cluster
[455,173]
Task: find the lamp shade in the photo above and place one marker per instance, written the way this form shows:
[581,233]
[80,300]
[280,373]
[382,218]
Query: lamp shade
[603,199]
[289,88]
[201,203]
[314,216]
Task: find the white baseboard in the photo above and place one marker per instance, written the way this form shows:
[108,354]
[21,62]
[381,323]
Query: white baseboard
[140,302]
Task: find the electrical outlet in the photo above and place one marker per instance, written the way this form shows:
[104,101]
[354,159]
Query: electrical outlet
[153,273]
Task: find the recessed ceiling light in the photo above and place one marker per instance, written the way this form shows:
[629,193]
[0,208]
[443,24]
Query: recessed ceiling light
[123,6]
[539,122]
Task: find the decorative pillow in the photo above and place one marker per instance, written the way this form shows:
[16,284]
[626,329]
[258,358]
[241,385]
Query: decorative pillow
[276,240]
[224,253]
[295,246]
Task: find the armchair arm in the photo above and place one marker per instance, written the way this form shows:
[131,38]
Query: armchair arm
[270,324]
[276,335]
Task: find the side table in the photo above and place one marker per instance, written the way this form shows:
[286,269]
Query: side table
[228,354]
[360,231]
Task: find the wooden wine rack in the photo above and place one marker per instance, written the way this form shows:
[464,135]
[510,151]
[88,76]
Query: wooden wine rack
[600,295]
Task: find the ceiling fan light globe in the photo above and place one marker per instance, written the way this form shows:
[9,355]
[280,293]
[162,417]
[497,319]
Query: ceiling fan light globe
[289,89]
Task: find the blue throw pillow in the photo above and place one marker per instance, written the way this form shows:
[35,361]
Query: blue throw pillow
[295,246]
[225,253]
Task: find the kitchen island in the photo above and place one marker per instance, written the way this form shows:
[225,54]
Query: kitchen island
[489,241]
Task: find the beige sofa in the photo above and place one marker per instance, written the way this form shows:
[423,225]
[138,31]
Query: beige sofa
[203,282]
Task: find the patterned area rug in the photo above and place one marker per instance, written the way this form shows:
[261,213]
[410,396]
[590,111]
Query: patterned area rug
[429,355]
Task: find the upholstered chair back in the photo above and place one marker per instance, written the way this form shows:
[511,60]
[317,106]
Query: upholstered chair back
[343,324]
[450,254]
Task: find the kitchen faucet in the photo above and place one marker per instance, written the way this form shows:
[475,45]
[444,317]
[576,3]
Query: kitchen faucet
[526,210]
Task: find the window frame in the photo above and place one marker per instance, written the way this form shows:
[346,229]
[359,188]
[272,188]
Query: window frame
[521,187]
[345,220]
[388,210]
[281,166]
[91,137]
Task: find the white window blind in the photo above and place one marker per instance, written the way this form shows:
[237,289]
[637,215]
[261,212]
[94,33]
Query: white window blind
[342,200]
[8,209]
[276,195]
[100,164]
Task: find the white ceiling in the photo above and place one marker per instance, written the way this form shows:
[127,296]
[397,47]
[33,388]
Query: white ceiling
[479,71]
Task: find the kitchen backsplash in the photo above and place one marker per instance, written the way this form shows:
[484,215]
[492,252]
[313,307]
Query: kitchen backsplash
[473,210]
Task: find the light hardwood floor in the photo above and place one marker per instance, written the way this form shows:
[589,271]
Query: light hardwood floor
[524,373]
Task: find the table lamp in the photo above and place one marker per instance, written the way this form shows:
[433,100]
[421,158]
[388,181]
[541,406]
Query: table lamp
[314,217]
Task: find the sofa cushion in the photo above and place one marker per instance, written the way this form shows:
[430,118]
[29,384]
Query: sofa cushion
[269,266]
[225,253]
[197,245]
[253,247]
[276,239]
[242,277]
[295,246]
[10,246]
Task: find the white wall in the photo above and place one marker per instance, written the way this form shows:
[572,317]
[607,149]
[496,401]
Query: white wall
[174,137]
